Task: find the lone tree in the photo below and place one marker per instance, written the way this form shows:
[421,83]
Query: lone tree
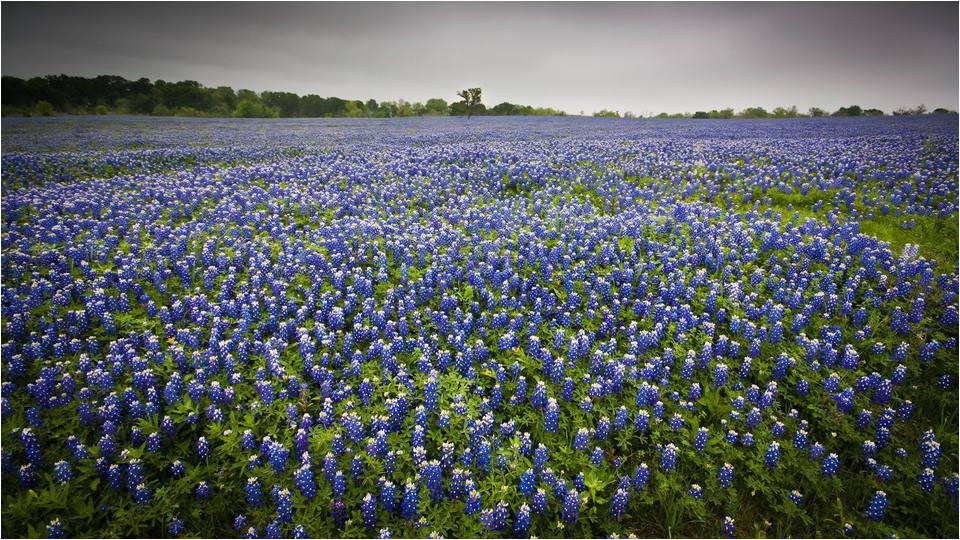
[470,100]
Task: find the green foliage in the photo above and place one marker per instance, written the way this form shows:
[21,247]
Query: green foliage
[853,110]
[604,113]
[43,108]
[106,94]
[753,112]
[436,107]
[902,111]
[470,101]
[248,108]
[510,109]
[161,110]
[786,112]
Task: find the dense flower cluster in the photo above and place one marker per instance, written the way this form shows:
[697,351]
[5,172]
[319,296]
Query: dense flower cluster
[350,328]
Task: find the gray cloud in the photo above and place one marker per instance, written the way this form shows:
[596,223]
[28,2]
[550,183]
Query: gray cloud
[575,56]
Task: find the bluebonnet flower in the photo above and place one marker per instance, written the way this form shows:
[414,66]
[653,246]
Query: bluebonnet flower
[725,475]
[926,480]
[570,509]
[701,439]
[254,492]
[581,439]
[643,421]
[62,472]
[640,477]
[883,473]
[521,523]
[55,528]
[731,437]
[411,501]
[596,457]
[284,504]
[495,519]
[474,503]
[729,529]
[528,482]
[303,479]
[668,458]
[388,495]
[950,484]
[930,452]
[772,456]
[203,448]
[877,508]
[274,529]
[176,526]
[432,474]
[720,373]
[831,464]
[141,494]
[540,457]
[817,451]
[368,508]
[552,416]
[203,490]
[618,503]
[539,502]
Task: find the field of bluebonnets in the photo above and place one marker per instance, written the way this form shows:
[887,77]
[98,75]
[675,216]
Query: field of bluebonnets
[494,327]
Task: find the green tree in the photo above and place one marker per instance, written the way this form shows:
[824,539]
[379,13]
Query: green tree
[436,107]
[354,109]
[248,95]
[248,108]
[853,110]
[753,112]
[504,109]
[784,112]
[816,112]
[722,113]
[44,108]
[224,101]
[604,113]
[403,108]
[470,98]
[285,103]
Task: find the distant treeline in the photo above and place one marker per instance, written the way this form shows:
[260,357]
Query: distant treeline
[784,112]
[111,94]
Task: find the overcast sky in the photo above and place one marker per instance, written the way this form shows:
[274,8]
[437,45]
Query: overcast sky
[641,57]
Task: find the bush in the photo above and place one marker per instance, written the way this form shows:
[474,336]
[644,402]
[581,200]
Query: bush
[252,109]
[44,108]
